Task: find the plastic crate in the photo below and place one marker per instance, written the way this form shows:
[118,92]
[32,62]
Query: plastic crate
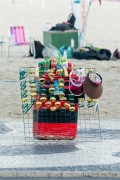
[60,124]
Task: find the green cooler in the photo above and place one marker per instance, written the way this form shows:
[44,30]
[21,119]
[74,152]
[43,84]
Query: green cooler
[61,38]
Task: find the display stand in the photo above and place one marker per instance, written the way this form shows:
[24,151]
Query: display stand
[51,117]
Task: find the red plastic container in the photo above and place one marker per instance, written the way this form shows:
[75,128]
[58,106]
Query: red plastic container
[55,130]
[54,125]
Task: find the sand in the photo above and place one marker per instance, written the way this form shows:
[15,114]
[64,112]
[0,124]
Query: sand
[102,31]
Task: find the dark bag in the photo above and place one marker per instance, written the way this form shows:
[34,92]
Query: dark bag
[71,19]
[62,27]
[85,53]
[103,54]
[35,50]
[69,25]
[116,55]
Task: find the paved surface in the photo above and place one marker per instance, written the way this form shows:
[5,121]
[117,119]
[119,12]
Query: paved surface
[84,178]
[19,158]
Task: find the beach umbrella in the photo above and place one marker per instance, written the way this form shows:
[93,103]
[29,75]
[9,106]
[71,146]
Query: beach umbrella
[80,8]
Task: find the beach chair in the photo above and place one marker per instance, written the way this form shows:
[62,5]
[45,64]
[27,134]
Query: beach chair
[18,37]
[2,43]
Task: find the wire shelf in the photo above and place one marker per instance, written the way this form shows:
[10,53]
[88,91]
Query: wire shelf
[47,125]
[87,128]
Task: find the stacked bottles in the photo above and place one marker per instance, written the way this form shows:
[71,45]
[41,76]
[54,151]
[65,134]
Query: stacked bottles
[55,109]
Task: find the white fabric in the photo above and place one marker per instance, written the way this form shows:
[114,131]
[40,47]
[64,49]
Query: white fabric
[80,9]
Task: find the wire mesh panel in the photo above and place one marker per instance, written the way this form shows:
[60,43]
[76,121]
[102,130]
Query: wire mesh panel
[89,122]
[87,127]
[54,114]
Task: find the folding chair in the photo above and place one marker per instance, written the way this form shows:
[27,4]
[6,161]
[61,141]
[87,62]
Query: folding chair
[2,43]
[18,37]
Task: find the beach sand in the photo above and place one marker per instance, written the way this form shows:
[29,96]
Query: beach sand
[103,30]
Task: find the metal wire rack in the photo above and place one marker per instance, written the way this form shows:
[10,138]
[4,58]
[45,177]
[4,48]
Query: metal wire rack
[88,127]
[61,125]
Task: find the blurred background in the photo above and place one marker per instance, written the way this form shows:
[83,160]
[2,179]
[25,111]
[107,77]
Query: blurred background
[102,27]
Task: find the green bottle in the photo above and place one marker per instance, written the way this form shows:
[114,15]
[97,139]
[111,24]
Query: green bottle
[47,63]
[59,59]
